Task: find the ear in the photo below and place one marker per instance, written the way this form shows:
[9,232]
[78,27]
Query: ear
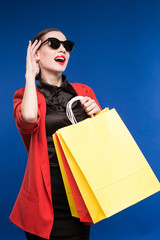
[37,56]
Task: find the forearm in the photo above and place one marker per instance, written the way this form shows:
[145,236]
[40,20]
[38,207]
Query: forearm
[29,105]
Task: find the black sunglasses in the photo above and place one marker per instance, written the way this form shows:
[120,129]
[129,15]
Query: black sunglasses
[55,43]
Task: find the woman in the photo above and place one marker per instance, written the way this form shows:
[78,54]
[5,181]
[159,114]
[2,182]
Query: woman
[41,208]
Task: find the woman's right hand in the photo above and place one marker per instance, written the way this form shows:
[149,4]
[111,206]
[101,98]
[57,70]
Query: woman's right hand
[32,65]
[29,105]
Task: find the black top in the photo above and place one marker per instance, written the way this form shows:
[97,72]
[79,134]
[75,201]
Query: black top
[56,100]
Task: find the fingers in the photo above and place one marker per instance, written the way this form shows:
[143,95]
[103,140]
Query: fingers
[35,46]
[32,48]
[87,103]
[29,46]
[90,106]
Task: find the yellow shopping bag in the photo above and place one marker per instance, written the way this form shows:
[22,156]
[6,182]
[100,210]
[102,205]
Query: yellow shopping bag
[76,202]
[108,166]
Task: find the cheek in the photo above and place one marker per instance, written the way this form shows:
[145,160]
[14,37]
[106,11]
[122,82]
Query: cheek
[44,53]
[67,56]
[46,58]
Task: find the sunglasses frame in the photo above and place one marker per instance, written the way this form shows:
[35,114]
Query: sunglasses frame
[49,40]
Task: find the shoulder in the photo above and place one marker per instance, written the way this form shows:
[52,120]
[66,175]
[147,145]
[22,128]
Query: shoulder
[80,85]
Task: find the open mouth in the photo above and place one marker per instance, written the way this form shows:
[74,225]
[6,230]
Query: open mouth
[60,59]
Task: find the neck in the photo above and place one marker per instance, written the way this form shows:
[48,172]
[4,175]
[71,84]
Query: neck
[52,78]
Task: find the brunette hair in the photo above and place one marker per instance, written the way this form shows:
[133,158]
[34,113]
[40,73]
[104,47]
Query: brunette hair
[39,36]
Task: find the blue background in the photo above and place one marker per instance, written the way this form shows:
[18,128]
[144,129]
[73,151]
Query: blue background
[117,53]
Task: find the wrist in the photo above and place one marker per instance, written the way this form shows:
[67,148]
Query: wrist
[30,77]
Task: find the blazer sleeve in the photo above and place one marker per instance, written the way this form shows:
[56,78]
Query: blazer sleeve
[23,127]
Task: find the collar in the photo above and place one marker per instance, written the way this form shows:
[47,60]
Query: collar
[54,89]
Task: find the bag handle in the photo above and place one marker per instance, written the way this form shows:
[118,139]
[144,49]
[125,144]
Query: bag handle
[69,111]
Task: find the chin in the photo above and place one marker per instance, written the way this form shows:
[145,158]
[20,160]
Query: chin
[59,69]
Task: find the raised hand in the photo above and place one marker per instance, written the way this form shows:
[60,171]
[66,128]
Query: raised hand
[90,106]
[32,65]
[29,106]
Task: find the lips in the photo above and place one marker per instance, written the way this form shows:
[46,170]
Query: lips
[60,59]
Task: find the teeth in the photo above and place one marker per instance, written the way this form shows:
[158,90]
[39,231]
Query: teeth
[60,59]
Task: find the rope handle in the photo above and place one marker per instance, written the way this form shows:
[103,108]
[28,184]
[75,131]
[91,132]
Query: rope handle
[69,111]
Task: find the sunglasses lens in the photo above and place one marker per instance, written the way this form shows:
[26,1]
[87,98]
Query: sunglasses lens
[68,45]
[54,43]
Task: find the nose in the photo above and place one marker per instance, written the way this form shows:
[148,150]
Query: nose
[62,48]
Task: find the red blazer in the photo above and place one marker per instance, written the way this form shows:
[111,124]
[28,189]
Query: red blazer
[33,210]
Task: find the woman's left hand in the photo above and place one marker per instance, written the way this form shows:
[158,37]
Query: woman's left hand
[90,106]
